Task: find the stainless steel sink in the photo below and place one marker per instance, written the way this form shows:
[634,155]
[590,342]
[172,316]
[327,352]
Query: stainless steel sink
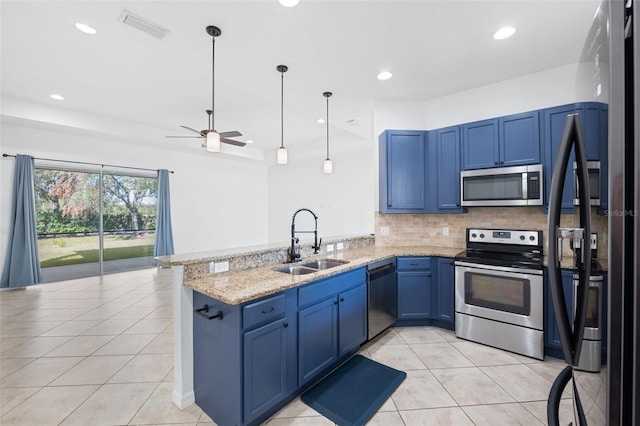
[324,263]
[296,270]
[311,266]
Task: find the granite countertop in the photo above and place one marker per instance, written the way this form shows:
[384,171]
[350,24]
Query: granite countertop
[238,287]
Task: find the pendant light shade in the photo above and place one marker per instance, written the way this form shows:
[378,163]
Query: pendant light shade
[328,164]
[281,157]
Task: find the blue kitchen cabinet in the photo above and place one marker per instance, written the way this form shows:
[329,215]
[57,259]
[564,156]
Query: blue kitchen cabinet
[444,174]
[519,139]
[445,290]
[552,343]
[332,322]
[480,144]
[245,364]
[402,171]
[512,140]
[415,288]
[594,123]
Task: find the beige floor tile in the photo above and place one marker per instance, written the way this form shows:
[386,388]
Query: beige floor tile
[113,404]
[134,312]
[39,372]
[49,406]
[420,335]
[100,313]
[144,368]
[156,409]
[539,410]
[471,386]
[72,328]
[161,344]
[386,418]
[148,326]
[93,370]
[9,365]
[10,342]
[12,397]
[296,421]
[508,414]
[126,344]
[440,355]
[548,369]
[520,382]
[421,390]
[80,346]
[448,335]
[296,408]
[63,314]
[26,329]
[388,337]
[35,347]
[161,312]
[110,327]
[482,355]
[398,357]
[451,416]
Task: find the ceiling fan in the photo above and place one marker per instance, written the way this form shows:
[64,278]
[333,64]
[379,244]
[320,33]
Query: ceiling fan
[212,137]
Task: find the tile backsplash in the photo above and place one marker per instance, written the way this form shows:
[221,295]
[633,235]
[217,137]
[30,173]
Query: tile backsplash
[427,229]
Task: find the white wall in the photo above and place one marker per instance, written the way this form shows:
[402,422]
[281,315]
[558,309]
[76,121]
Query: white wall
[215,202]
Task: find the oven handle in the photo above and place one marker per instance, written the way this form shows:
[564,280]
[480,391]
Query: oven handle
[498,268]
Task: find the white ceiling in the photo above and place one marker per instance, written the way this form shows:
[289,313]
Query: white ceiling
[433,48]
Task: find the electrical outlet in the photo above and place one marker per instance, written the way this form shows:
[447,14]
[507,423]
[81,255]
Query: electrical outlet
[445,230]
[222,266]
[329,248]
[212,267]
[384,230]
[340,246]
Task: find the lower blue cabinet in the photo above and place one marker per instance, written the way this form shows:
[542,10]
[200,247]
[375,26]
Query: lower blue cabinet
[332,322]
[415,288]
[445,290]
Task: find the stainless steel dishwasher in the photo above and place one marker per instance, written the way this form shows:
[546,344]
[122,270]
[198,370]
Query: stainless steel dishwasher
[381,296]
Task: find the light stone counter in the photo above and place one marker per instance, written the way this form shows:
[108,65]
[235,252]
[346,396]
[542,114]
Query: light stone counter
[236,287]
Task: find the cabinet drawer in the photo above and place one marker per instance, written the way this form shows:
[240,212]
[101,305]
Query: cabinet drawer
[414,263]
[263,311]
[328,287]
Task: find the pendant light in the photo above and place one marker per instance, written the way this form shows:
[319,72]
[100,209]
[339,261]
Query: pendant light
[328,165]
[213,137]
[282,151]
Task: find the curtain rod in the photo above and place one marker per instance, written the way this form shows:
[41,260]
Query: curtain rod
[86,163]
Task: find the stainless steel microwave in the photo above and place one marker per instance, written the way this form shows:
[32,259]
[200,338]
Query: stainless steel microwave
[502,186]
[593,169]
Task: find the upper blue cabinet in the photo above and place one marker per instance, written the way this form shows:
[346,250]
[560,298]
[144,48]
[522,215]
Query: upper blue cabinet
[402,171]
[445,170]
[512,140]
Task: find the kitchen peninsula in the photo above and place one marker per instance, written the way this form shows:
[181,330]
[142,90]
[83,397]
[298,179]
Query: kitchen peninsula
[250,290]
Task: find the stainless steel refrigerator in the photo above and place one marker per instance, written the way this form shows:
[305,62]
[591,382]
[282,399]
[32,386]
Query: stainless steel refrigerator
[613,55]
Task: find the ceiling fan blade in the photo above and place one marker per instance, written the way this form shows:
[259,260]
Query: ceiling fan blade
[232,142]
[185,137]
[230,134]
[193,130]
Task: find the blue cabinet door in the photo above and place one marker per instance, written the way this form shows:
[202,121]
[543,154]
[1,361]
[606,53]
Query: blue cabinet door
[265,367]
[447,170]
[480,149]
[444,306]
[590,119]
[414,295]
[551,333]
[519,139]
[402,171]
[317,339]
[352,319]
[553,125]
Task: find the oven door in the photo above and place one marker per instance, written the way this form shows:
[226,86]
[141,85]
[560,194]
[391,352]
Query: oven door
[509,295]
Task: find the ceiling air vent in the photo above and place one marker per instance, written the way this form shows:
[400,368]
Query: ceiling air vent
[142,24]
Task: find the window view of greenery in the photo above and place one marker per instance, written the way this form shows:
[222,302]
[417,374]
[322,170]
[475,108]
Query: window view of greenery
[68,217]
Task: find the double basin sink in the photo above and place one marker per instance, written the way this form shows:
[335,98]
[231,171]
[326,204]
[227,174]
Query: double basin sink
[311,266]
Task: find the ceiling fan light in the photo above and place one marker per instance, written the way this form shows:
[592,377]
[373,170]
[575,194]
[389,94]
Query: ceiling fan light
[213,141]
[282,156]
[328,166]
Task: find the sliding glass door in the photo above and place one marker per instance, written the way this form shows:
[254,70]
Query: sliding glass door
[91,223]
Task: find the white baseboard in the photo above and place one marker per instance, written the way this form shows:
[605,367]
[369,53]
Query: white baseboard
[183,400]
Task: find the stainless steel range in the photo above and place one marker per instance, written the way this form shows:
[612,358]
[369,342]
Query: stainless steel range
[499,290]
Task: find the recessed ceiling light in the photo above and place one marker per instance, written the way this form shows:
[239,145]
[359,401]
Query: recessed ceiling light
[57,97]
[85,28]
[321,121]
[385,75]
[504,32]
[289,3]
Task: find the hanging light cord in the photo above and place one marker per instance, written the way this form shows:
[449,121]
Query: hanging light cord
[282,109]
[213,83]
[327,94]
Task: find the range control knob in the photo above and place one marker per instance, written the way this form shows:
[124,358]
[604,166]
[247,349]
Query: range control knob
[522,237]
[473,235]
[532,238]
[481,235]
